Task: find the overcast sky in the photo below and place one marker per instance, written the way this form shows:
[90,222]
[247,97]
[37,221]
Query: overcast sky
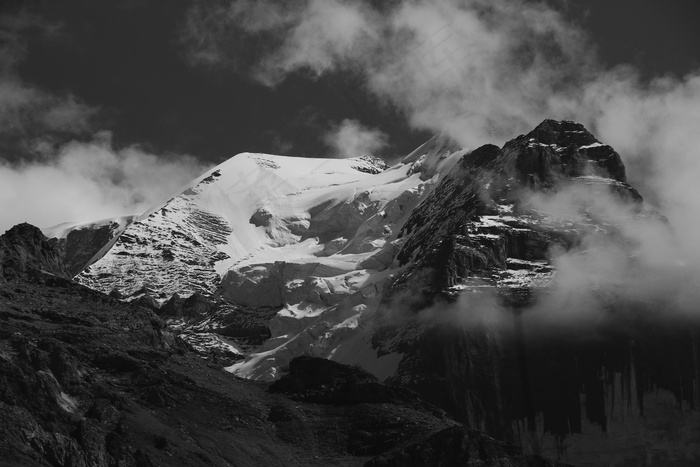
[100,98]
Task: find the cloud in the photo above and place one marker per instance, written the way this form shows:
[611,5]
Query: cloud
[477,70]
[225,33]
[351,139]
[630,265]
[654,127]
[485,71]
[29,111]
[85,181]
[326,34]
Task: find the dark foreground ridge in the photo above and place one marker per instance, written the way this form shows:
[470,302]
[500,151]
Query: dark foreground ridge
[86,380]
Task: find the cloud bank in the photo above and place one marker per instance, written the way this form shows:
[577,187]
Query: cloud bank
[85,181]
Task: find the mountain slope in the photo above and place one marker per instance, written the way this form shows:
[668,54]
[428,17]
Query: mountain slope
[87,380]
[509,286]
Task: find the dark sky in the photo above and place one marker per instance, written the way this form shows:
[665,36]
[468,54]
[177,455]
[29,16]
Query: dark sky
[658,37]
[127,59]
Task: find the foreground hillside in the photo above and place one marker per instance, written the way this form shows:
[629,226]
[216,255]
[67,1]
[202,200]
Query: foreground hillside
[87,380]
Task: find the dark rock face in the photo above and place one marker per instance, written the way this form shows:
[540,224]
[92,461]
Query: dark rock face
[374,165]
[475,242]
[556,150]
[61,348]
[562,133]
[24,250]
[194,307]
[458,446]
[81,245]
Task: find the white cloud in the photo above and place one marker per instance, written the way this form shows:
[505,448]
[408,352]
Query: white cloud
[488,70]
[328,32]
[89,181]
[351,139]
[477,70]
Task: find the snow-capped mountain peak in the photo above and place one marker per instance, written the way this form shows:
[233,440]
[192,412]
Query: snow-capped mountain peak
[422,273]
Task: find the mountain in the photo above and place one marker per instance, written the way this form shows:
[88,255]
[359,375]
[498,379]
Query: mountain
[508,286]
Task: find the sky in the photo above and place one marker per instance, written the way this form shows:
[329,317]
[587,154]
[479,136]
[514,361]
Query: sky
[107,107]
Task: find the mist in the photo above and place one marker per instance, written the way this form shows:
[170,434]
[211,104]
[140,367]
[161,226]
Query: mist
[629,261]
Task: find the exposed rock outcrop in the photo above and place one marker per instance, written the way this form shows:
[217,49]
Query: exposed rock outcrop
[25,250]
[83,245]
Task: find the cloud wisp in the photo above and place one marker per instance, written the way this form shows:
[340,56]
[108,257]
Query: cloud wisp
[478,70]
[352,139]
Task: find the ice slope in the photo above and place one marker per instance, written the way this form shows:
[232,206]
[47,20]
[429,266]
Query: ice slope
[312,238]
